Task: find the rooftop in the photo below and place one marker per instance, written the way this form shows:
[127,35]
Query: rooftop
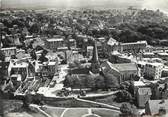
[155,105]
[139,83]
[125,66]
[19,65]
[138,42]
[8,48]
[112,42]
[55,39]
[163,54]
[155,64]
[51,63]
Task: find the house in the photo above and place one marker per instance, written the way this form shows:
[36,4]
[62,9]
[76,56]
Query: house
[153,71]
[72,43]
[48,68]
[55,43]
[143,95]
[163,55]
[123,72]
[11,51]
[112,45]
[117,57]
[148,55]
[89,51]
[18,67]
[157,107]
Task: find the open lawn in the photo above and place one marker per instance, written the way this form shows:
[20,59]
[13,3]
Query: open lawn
[80,112]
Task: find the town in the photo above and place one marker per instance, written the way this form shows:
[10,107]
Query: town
[103,63]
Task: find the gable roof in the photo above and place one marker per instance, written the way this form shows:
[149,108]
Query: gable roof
[120,67]
[107,65]
[126,67]
[112,42]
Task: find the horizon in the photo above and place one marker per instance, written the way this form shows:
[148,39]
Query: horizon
[162,5]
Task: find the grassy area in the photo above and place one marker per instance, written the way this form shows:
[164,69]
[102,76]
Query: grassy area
[54,112]
[107,100]
[12,105]
[13,108]
[105,113]
[23,114]
[75,112]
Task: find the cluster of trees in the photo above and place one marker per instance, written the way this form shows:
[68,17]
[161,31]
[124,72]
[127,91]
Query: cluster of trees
[128,110]
[133,27]
[126,93]
[75,81]
[141,27]
[88,81]
[101,82]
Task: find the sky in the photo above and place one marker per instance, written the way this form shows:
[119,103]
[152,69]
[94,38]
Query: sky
[149,4]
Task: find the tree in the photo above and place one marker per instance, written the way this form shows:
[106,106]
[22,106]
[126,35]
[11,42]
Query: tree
[2,56]
[27,100]
[34,28]
[111,81]
[33,55]
[69,81]
[128,110]
[90,82]
[123,96]
[99,82]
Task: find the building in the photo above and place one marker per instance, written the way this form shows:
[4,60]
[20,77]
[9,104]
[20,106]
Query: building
[72,43]
[163,55]
[157,107]
[48,68]
[116,57]
[89,51]
[55,43]
[148,55]
[143,95]
[112,45]
[9,51]
[133,47]
[19,68]
[123,72]
[153,71]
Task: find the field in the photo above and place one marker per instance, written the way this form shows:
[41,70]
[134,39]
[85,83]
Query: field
[80,112]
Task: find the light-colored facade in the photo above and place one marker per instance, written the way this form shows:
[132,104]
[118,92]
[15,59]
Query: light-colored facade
[19,68]
[143,95]
[153,71]
[72,43]
[9,51]
[59,44]
[133,47]
[55,43]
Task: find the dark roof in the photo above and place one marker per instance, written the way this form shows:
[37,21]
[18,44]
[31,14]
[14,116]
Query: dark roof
[80,71]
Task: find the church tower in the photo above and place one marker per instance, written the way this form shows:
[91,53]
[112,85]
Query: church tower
[95,65]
